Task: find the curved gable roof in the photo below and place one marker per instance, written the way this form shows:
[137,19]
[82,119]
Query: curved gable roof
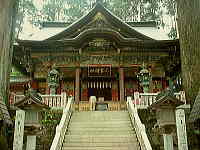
[113,20]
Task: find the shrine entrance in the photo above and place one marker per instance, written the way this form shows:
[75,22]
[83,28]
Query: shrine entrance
[99,81]
[101,88]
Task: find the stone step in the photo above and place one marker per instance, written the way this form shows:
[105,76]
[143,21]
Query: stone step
[101,129]
[117,144]
[99,121]
[99,133]
[103,116]
[102,148]
[96,113]
[100,139]
[100,112]
[100,126]
[124,122]
[85,119]
[101,136]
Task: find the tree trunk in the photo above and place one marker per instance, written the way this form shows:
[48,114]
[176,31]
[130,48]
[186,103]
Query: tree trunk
[189,32]
[7,8]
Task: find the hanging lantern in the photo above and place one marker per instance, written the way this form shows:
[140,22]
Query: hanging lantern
[144,77]
[53,78]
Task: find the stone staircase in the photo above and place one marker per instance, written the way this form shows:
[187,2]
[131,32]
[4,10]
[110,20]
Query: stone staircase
[100,130]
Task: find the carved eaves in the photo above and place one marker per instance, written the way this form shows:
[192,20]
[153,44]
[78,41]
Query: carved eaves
[99,21]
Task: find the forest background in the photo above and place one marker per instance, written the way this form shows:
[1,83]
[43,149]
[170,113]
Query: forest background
[32,13]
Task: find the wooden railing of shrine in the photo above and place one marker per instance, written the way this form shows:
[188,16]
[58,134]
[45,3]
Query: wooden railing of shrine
[63,125]
[139,127]
[53,101]
[143,100]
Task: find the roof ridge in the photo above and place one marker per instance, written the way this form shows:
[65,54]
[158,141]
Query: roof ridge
[116,21]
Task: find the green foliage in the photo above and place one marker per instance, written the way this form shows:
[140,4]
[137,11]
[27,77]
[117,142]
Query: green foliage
[76,9]
[3,143]
[15,72]
[54,10]
[170,6]
[51,118]
[70,11]
[26,9]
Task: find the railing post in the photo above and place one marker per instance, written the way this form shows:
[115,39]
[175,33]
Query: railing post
[64,99]
[168,142]
[181,130]
[19,130]
[182,96]
[150,100]
[31,143]
[136,98]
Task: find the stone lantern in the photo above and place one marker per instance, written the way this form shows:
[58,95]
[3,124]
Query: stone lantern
[53,79]
[144,77]
[33,106]
[165,107]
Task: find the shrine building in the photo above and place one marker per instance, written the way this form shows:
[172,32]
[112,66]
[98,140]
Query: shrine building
[98,55]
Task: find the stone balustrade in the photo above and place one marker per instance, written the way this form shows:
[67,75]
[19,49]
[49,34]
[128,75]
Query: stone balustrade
[138,126]
[140,100]
[143,100]
[53,101]
[63,125]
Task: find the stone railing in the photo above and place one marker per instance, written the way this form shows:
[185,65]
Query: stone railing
[15,98]
[53,101]
[138,126]
[143,100]
[63,125]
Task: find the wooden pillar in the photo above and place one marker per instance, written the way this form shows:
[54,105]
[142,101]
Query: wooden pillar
[168,142]
[77,85]
[121,83]
[31,143]
[19,130]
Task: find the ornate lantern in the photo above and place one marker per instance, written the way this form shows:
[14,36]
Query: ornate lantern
[165,107]
[144,77]
[53,79]
[33,106]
